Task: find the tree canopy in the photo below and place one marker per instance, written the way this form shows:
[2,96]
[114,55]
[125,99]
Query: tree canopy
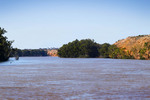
[103,50]
[85,48]
[28,52]
[5,46]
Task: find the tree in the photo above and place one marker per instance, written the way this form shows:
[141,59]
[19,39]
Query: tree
[5,45]
[147,47]
[29,52]
[114,51]
[103,51]
[85,48]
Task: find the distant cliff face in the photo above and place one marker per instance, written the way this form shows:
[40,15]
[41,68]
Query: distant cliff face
[52,52]
[136,46]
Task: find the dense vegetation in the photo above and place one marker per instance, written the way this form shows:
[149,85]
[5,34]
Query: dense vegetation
[104,50]
[84,48]
[28,52]
[119,53]
[5,46]
[145,52]
[89,49]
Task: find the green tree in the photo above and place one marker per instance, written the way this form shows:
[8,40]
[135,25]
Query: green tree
[114,51]
[103,51]
[29,52]
[142,53]
[147,47]
[86,48]
[5,46]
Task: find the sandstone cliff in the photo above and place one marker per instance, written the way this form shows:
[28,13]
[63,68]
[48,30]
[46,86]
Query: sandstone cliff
[134,45]
[52,52]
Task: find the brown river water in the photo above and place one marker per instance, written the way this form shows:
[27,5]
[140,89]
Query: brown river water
[53,78]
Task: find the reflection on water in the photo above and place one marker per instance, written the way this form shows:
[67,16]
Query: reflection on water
[54,78]
[46,60]
[57,60]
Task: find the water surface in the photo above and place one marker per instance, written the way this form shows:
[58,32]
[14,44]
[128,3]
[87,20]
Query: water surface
[53,78]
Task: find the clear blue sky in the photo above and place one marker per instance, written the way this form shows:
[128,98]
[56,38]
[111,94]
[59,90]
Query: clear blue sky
[52,23]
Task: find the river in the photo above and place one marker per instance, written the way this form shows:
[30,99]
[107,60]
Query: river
[53,78]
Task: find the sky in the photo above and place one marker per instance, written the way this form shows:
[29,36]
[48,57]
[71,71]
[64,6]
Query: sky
[34,24]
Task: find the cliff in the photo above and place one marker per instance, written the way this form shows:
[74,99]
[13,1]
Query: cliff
[52,52]
[136,46]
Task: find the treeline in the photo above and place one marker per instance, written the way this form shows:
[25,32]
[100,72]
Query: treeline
[28,52]
[87,48]
[5,46]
